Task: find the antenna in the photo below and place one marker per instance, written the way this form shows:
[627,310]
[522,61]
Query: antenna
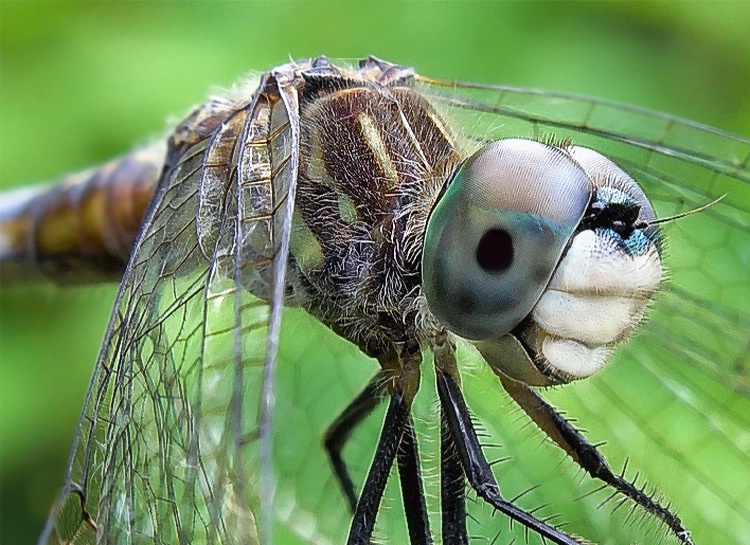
[679,216]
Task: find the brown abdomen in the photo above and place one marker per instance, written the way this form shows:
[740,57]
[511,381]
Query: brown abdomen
[82,229]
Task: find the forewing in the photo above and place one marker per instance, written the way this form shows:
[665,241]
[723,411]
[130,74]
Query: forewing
[676,399]
[167,449]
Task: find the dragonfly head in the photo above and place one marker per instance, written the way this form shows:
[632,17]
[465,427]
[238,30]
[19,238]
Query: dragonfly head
[543,256]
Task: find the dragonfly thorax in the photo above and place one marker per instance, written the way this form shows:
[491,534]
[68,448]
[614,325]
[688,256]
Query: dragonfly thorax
[372,161]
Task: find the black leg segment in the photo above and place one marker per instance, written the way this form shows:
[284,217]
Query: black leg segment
[475,466]
[415,507]
[395,422]
[339,432]
[585,454]
[452,489]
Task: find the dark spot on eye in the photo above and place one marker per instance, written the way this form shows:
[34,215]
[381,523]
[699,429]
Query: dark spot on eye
[495,251]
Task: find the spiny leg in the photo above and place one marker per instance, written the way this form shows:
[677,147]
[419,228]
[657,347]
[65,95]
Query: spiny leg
[396,419]
[585,454]
[452,489]
[339,432]
[475,466]
[415,507]
[408,459]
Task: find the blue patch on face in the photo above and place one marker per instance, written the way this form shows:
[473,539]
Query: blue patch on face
[635,244]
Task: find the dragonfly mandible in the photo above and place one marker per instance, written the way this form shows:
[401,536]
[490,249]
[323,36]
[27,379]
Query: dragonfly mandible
[356,197]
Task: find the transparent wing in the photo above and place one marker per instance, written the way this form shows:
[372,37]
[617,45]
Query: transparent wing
[167,449]
[676,401]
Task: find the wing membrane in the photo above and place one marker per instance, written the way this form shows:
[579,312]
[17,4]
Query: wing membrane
[167,445]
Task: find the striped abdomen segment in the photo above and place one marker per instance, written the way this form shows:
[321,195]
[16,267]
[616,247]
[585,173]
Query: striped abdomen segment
[83,228]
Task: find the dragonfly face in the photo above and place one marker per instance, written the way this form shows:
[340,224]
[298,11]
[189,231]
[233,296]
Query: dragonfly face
[317,191]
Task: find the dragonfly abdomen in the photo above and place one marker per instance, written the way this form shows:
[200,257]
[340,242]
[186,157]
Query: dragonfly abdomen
[83,228]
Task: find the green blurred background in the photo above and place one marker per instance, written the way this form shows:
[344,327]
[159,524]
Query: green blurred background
[82,82]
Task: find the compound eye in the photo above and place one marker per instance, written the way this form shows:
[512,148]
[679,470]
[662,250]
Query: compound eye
[496,235]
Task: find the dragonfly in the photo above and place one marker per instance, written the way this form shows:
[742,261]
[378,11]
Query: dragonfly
[358,208]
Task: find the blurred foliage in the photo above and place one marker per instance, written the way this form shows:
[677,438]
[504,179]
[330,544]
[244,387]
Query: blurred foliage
[82,82]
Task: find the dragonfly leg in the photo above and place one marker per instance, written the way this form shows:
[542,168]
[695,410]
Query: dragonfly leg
[339,432]
[585,454]
[396,420]
[452,489]
[415,507]
[475,465]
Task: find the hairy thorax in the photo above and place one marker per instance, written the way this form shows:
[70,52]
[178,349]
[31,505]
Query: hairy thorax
[373,159]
